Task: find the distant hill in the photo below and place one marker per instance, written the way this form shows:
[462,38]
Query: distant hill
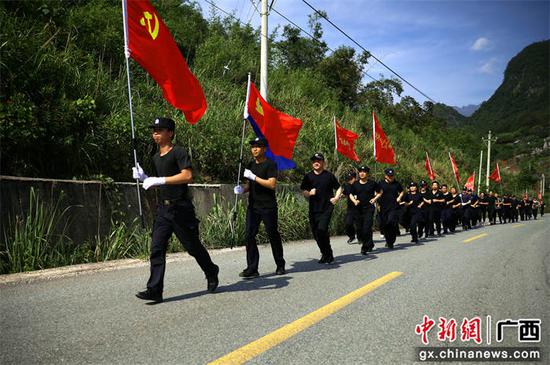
[519,109]
[467,110]
[449,114]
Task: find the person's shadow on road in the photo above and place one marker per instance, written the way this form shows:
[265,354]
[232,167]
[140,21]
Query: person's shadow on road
[263,282]
[313,265]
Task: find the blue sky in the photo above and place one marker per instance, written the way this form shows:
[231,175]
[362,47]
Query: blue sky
[455,51]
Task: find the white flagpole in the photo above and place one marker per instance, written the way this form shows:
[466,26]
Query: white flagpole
[374,142]
[245,115]
[335,141]
[126,56]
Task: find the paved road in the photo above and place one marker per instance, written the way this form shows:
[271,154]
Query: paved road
[95,318]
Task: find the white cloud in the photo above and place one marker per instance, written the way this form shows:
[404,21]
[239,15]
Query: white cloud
[480,44]
[488,67]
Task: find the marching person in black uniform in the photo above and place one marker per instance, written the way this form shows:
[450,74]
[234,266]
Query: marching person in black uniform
[507,208]
[498,207]
[414,202]
[261,175]
[364,194]
[535,208]
[318,185]
[542,205]
[491,201]
[456,206]
[392,193]
[175,213]
[515,208]
[466,214]
[349,220]
[424,210]
[447,209]
[474,208]
[483,204]
[528,207]
[436,206]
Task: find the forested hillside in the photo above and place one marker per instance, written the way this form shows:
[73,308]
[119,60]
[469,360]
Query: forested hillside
[64,102]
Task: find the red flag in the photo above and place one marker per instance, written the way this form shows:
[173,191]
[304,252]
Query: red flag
[150,44]
[383,151]
[428,165]
[345,141]
[495,175]
[470,182]
[455,168]
[540,196]
[280,130]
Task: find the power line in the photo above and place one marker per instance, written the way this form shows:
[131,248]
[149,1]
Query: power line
[364,49]
[313,38]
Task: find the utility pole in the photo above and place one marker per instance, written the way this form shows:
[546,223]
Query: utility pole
[479,176]
[263,51]
[488,140]
[542,184]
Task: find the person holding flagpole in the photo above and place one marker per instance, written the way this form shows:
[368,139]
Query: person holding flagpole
[318,186]
[175,213]
[261,175]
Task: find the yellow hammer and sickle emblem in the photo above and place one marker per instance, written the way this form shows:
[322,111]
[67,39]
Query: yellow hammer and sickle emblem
[153,32]
[259,108]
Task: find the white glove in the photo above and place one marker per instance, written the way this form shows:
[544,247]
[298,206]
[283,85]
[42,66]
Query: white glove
[153,181]
[249,175]
[138,174]
[238,190]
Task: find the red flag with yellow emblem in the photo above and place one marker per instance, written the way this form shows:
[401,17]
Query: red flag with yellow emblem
[150,44]
[345,141]
[383,151]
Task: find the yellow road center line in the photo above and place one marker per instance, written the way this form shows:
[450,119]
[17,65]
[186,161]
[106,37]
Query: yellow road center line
[259,346]
[518,225]
[475,237]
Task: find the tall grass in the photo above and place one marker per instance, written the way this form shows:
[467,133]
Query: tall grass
[35,240]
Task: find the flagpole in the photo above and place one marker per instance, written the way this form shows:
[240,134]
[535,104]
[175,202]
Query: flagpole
[374,143]
[335,143]
[430,165]
[245,115]
[479,176]
[126,56]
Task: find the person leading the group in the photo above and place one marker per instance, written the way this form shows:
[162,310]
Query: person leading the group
[175,213]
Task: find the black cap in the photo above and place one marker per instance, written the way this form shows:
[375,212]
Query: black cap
[318,157]
[363,168]
[423,183]
[258,141]
[412,183]
[465,188]
[350,175]
[163,123]
[389,171]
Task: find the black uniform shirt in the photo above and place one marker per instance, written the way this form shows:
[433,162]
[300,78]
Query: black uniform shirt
[448,197]
[491,200]
[325,183]
[259,196]
[416,200]
[346,192]
[425,195]
[390,192]
[364,192]
[437,195]
[171,164]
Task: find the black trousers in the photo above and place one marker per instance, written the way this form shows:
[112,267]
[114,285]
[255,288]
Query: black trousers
[422,223]
[446,218]
[181,220]
[535,211]
[364,217]
[492,215]
[500,216]
[319,223]
[390,225]
[434,220]
[416,220]
[466,217]
[254,218]
[483,211]
[349,223]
